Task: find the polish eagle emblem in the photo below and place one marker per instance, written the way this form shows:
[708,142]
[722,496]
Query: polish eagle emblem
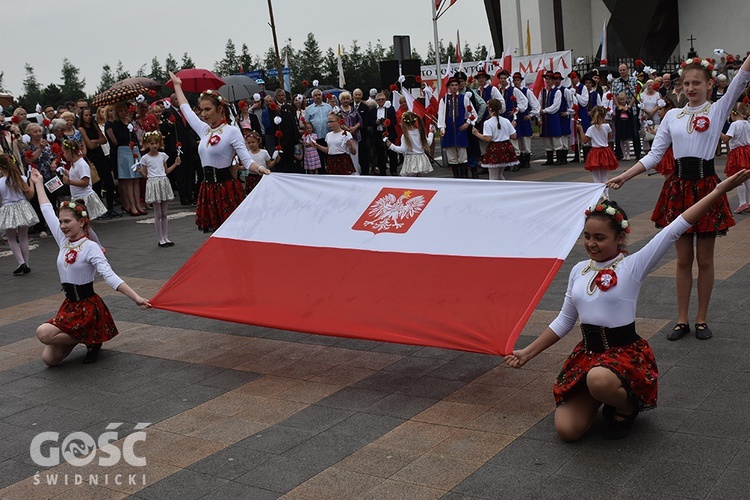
[394,210]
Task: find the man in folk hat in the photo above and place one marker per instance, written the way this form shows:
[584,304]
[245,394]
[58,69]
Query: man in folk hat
[594,100]
[580,95]
[565,112]
[550,101]
[523,121]
[454,113]
[515,102]
[486,91]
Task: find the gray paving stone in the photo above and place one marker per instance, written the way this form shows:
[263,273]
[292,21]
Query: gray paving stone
[352,398]
[232,462]
[493,481]
[280,474]
[277,439]
[673,479]
[560,487]
[698,450]
[10,405]
[184,484]
[324,450]
[531,454]
[365,426]
[719,424]
[731,484]
[400,406]
[12,471]
[316,418]
[741,461]
[52,418]
[412,366]
[467,367]
[382,381]
[431,387]
[727,402]
[238,491]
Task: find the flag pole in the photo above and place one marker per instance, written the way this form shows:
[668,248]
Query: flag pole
[276,46]
[438,76]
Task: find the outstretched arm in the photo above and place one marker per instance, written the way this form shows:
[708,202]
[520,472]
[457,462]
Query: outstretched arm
[692,214]
[521,356]
[177,82]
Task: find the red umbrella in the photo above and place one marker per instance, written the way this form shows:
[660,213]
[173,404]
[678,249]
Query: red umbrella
[197,80]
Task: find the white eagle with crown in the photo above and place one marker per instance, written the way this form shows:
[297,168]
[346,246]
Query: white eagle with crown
[387,211]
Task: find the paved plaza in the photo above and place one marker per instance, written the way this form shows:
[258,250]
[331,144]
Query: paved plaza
[238,411]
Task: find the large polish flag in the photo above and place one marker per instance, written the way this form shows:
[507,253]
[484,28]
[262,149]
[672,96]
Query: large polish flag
[457,264]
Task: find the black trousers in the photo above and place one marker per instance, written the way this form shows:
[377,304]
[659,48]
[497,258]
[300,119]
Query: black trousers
[381,151]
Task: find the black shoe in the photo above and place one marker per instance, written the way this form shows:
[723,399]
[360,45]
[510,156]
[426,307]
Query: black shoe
[680,330]
[550,158]
[515,168]
[92,352]
[19,270]
[702,331]
[26,269]
[105,216]
[620,425]
[170,243]
[114,213]
[163,245]
[527,160]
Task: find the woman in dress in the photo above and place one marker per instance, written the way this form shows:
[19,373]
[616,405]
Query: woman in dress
[105,173]
[126,154]
[220,192]
[693,132]
[612,365]
[83,318]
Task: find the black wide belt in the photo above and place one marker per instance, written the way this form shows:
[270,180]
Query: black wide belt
[600,338]
[216,175]
[690,168]
[77,293]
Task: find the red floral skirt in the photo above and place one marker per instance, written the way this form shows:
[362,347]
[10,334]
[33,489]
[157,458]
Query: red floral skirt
[216,202]
[666,165]
[87,320]
[500,154]
[678,195]
[339,164]
[251,181]
[601,159]
[634,365]
[739,159]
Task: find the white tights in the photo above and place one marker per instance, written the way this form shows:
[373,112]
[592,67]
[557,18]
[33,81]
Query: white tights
[18,241]
[742,191]
[160,221]
[600,176]
[496,173]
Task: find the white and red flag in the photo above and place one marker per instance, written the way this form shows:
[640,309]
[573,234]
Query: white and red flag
[455,264]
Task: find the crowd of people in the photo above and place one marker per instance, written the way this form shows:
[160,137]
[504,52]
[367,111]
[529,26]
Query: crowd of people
[212,155]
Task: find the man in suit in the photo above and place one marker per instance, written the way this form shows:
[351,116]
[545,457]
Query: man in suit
[290,133]
[382,122]
[187,188]
[365,145]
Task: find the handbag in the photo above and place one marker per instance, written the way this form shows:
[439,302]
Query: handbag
[94,173]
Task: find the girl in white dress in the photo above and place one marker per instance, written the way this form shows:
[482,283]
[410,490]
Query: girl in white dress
[83,318]
[612,365]
[78,176]
[158,188]
[340,146]
[498,131]
[16,213]
[413,145]
[738,140]
[600,158]
[693,132]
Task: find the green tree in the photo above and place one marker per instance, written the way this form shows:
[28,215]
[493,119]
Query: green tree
[269,59]
[107,80]
[187,61]
[32,91]
[52,95]
[156,73]
[246,60]
[310,60]
[330,69]
[72,86]
[170,64]
[230,63]
[415,55]
[481,52]
[120,73]
[467,54]
[2,85]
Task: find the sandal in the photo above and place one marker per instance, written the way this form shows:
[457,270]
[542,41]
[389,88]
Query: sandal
[702,331]
[618,429]
[680,330]
[92,352]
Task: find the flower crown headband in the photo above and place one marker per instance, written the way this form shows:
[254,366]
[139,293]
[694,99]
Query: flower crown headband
[76,208]
[704,63]
[613,212]
[149,134]
[71,145]
[211,93]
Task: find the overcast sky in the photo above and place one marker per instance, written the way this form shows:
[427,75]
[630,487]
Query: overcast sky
[43,32]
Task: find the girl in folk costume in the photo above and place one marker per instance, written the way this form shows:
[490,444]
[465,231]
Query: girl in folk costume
[78,177]
[413,145]
[260,156]
[220,192]
[524,131]
[693,132]
[738,139]
[340,146]
[83,317]
[549,100]
[311,160]
[600,158]
[666,165]
[158,188]
[498,131]
[612,365]
[16,213]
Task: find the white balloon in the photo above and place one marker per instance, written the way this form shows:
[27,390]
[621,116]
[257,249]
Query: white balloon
[277,120]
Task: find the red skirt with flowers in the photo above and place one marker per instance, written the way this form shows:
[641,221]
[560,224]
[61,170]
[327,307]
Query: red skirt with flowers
[666,165]
[216,202]
[500,154]
[601,159]
[251,181]
[677,195]
[739,159]
[340,164]
[87,320]
[634,365]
